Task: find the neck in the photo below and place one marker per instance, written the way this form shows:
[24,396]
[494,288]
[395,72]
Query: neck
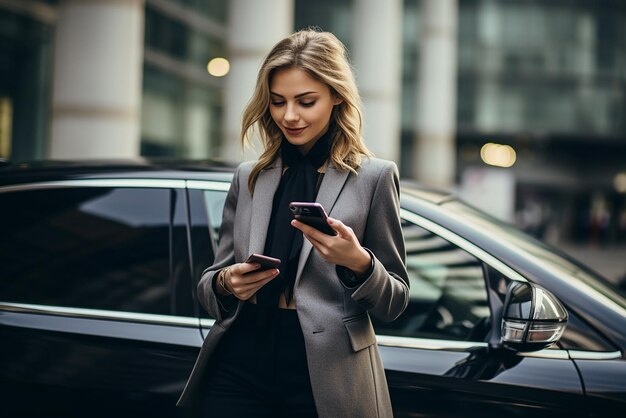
[316,152]
[305,148]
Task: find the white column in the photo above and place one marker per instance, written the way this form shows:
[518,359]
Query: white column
[254,27]
[377,57]
[97,79]
[436,121]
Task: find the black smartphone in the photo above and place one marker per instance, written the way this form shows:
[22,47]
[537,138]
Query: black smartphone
[312,214]
[265,261]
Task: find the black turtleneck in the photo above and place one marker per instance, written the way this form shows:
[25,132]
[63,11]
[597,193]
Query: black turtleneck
[298,184]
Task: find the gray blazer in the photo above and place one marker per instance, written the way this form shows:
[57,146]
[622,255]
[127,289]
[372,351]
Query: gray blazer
[347,375]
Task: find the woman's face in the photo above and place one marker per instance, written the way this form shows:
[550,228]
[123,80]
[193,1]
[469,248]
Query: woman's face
[301,106]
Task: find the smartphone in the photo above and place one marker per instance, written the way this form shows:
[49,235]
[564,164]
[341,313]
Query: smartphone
[312,214]
[265,261]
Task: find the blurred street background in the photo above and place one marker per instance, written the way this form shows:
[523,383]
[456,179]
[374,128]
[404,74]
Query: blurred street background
[517,105]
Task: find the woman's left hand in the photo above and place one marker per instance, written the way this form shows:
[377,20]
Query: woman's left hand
[343,249]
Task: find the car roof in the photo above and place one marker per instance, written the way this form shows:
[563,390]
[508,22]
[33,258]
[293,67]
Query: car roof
[37,171]
[429,194]
[55,170]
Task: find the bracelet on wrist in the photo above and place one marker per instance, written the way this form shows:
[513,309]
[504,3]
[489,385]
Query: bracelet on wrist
[221,280]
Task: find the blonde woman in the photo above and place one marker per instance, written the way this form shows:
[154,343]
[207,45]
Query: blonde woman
[297,341]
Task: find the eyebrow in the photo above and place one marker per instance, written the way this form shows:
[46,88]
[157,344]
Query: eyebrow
[297,95]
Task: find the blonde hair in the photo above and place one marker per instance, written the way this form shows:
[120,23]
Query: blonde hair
[324,58]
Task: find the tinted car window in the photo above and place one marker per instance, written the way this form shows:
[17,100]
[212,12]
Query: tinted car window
[567,267]
[98,248]
[448,296]
[214,201]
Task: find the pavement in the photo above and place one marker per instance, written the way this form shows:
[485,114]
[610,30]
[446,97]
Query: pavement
[610,261]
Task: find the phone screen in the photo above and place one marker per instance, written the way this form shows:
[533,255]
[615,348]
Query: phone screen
[312,214]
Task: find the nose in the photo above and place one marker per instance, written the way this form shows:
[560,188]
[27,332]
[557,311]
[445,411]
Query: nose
[291,115]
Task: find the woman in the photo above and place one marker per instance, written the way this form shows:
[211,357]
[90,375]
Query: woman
[297,340]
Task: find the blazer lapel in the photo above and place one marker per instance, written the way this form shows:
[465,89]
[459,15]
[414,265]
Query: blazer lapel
[331,186]
[264,190]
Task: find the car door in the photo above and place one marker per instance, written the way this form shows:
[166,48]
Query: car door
[96,308]
[437,355]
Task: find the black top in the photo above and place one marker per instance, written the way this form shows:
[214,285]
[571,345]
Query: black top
[299,183]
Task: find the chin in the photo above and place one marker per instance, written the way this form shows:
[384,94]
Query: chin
[297,140]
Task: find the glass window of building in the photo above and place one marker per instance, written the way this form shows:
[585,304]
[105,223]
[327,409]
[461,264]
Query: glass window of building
[26,45]
[181,113]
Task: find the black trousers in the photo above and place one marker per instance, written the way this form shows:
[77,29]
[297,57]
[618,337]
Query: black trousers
[259,368]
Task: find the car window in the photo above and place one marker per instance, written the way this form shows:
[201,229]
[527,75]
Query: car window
[214,201]
[562,264]
[448,296]
[97,248]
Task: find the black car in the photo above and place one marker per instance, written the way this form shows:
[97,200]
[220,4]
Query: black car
[98,312]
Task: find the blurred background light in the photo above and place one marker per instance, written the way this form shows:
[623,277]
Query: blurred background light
[218,67]
[498,155]
[5,127]
[620,182]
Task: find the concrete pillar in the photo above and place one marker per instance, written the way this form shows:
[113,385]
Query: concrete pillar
[377,57]
[254,27]
[436,121]
[98,66]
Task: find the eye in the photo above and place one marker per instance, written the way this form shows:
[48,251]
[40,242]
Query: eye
[277,103]
[307,104]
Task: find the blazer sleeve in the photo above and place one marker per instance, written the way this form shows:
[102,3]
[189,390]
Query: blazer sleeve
[220,306]
[385,292]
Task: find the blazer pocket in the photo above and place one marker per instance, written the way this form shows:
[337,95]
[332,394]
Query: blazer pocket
[360,331]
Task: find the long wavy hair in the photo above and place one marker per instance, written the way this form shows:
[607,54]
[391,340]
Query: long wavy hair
[324,58]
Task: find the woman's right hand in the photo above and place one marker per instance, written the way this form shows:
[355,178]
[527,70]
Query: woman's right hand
[243,282]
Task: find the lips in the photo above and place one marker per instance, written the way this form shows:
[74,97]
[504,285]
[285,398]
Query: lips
[295,131]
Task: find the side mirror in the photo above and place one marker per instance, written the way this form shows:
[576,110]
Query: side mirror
[532,318]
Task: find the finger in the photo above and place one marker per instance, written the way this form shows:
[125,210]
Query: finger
[242,280]
[306,229]
[340,227]
[316,239]
[246,290]
[255,277]
[257,285]
[243,268]
[309,230]
[315,242]
[243,284]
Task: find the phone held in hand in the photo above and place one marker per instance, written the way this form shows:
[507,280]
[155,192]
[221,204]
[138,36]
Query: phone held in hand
[312,214]
[265,261]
